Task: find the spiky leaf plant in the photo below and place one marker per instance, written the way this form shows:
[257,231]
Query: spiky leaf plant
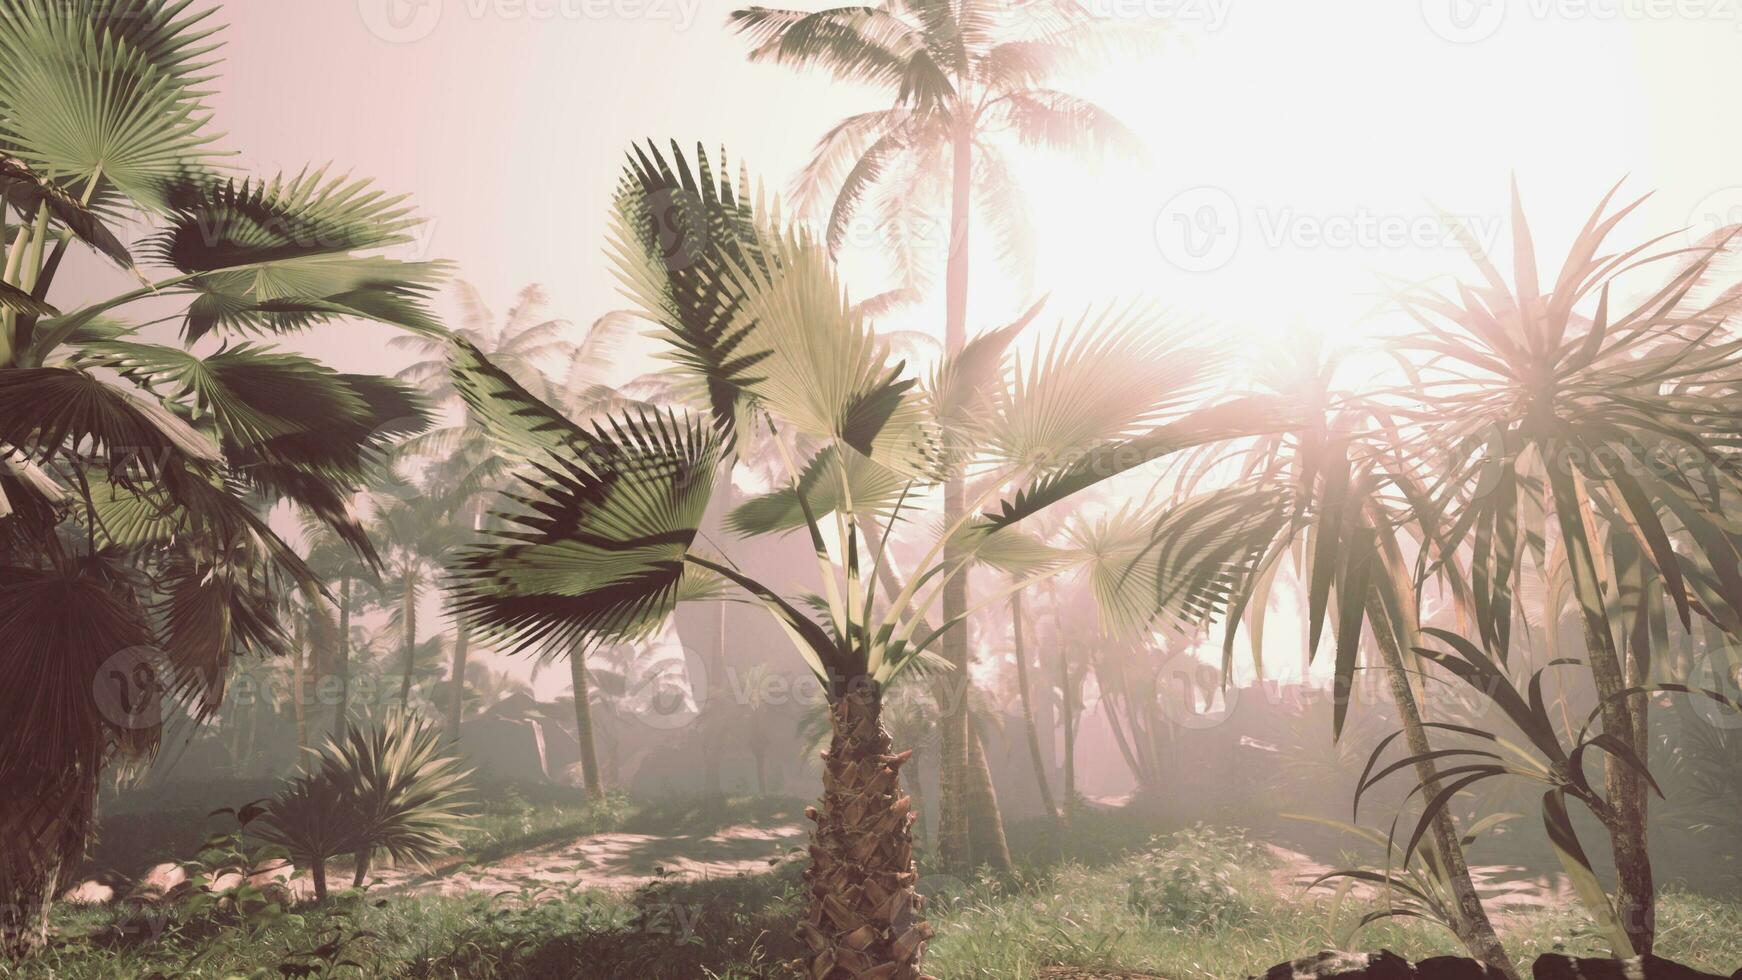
[1583,435]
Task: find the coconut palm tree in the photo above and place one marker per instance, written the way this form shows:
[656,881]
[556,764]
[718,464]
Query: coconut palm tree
[604,544]
[967,78]
[134,560]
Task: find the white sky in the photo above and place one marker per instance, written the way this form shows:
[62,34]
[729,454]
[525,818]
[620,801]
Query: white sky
[1297,123]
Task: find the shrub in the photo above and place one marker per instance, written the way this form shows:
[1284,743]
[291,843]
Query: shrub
[1187,879]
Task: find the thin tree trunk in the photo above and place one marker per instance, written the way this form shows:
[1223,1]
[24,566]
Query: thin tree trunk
[342,710]
[408,614]
[1021,651]
[318,871]
[1070,710]
[584,727]
[457,691]
[953,833]
[1635,889]
[711,711]
[1474,929]
[865,917]
[986,839]
[299,684]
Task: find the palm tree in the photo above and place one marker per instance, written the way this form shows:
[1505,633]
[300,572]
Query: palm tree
[1332,488]
[334,560]
[605,544]
[134,471]
[529,346]
[1538,411]
[964,76]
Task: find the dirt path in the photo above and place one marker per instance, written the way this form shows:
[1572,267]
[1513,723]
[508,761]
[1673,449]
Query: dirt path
[615,861]
[1504,888]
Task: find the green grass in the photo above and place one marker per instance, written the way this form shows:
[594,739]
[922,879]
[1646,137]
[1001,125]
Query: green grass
[1078,912]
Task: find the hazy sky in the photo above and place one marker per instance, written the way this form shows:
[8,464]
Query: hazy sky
[1295,149]
[1319,136]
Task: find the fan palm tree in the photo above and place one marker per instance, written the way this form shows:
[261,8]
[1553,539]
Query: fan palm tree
[134,560]
[604,543]
[1541,406]
[966,78]
[465,468]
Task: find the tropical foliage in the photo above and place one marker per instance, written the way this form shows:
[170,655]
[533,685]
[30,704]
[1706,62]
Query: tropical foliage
[604,544]
[135,557]
[386,790]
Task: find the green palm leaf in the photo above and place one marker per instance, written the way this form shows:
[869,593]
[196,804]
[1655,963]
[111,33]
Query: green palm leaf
[676,232]
[597,550]
[84,102]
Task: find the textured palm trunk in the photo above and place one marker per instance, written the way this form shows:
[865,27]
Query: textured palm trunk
[360,873]
[584,727]
[318,872]
[408,612]
[953,842]
[865,916]
[1635,888]
[44,827]
[1034,753]
[986,841]
[457,689]
[1474,929]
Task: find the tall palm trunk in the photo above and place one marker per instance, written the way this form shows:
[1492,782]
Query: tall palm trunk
[1034,753]
[1070,710]
[342,710]
[1636,891]
[584,727]
[986,841]
[1474,929]
[865,917]
[710,713]
[299,686]
[408,620]
[953,843]
[457,690]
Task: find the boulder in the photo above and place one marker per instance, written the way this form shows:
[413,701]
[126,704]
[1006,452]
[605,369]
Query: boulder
[1554,966]
[159,883]
[89,893]
[1455,968]
[1330,965]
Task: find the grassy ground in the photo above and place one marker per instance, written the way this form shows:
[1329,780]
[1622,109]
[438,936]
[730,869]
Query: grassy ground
[1202,906]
